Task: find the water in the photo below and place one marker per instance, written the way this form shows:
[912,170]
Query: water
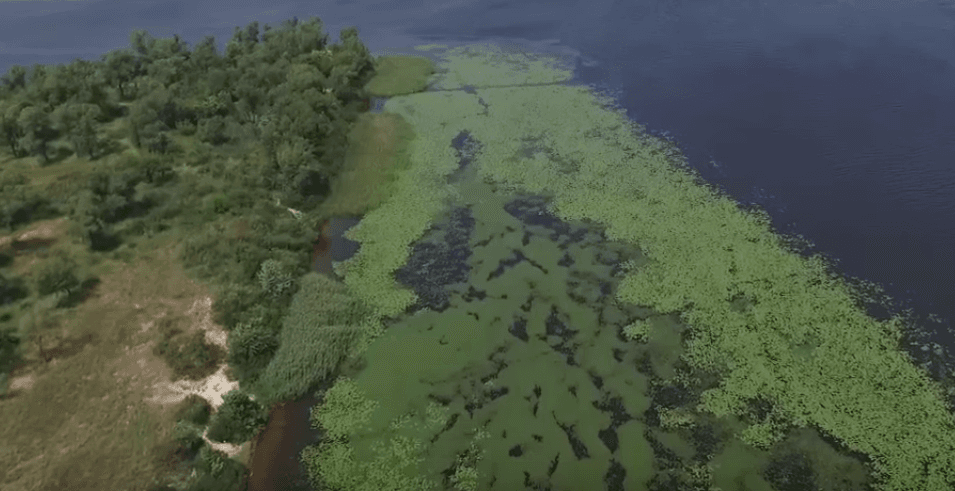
[834,116]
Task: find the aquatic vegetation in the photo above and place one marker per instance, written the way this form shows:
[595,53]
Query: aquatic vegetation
[619,326]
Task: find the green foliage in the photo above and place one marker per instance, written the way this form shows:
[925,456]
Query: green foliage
[188,435]
[194,409]
[15,78]
[217,472]
[344,410]
[251,347]
[212,130]
[274,278]
[231,301]
[306,359]
[79,123]
[10,130]
[323,301]
[186,128]
[11,289]
[9,346]
[318,333]
[57,274]
[189,356]
[238,418]
[37,131]
[119,68]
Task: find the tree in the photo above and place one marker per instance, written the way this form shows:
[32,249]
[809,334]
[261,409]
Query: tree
[144,121]
[79,123]
[142,43]
[120,68]
[57,274]
[237,419]
[15,78]
[251,347]
[274,278]
[212,130]
[10,130]
[168,60]
[37,130]
[243,42]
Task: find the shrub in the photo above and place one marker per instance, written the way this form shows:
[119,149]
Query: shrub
[212,130]
[189,356]
[317,334]
[231,301]
[188,435]
[305,359]
[11,289]
[56,274]
[217,472]
[251,346]
[194,409]
[185,127]
[237,419]
[274,278]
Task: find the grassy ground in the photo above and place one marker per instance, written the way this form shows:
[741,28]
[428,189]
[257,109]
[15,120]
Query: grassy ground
[80,421]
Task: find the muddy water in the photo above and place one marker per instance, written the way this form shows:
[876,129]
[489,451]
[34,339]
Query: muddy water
[275,464]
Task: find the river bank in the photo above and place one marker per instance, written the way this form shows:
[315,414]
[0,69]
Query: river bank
[378,147]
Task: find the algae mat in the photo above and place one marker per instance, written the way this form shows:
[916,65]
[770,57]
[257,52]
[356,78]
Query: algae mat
[560,304]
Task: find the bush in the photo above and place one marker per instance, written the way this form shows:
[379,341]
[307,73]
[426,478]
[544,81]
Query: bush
[251,346]
[189,356]
[231,301]
[188,436]
[305,360]
[194,409]
[274,278]
[217,472]
[11,289]
[57,274]
[212,130]
[317,334]
[238,418]
[185,127]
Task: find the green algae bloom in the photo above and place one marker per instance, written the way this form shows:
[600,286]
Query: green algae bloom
[652,335]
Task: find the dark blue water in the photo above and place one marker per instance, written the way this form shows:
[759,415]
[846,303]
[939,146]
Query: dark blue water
[837,117]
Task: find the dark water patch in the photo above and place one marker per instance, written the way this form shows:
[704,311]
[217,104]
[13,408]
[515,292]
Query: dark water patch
[473,293]
[519,329]
[791,472]
[516,258]
[578,447]
[596,379]
[465,148]
[438,260]
[618,416]
[705,441]
[615,476]
[275,464]
[664,458]
[554,326]
[331,245]
[608,436]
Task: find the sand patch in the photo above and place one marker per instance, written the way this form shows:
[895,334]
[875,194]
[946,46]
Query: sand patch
[45,229]
[23,382]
